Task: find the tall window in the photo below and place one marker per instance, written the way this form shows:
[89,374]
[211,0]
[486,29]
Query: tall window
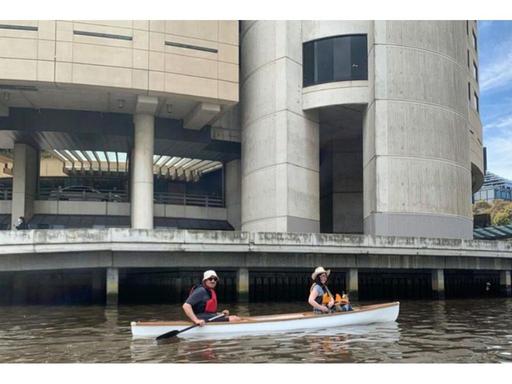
[340,58]
[476,103]
[474,41]
[475,71]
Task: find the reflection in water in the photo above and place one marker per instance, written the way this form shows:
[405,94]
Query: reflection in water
[426,331]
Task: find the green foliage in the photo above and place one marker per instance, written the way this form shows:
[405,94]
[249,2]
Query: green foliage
[501,218]
[500,211]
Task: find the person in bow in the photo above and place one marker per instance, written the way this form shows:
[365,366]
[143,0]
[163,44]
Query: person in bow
[321,299]
[201,304]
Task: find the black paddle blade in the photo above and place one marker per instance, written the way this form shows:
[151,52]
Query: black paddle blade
[167,335]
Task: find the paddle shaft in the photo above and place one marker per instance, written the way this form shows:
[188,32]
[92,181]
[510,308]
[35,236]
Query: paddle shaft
[175,333]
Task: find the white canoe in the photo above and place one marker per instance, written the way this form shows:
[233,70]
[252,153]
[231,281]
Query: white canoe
[370,314]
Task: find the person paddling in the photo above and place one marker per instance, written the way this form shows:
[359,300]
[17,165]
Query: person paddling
[321,299]
[201,305]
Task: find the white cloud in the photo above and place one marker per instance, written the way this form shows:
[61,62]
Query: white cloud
[496,65]
[498,75]
[503,122]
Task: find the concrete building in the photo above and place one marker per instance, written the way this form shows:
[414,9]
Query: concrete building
[360,127]
[364,128]
[494,188]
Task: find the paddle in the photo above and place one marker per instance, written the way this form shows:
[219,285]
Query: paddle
[175,332]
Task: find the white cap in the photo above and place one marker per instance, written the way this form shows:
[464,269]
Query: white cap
[209,273]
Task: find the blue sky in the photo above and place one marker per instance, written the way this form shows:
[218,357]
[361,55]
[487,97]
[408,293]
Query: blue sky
[495,62]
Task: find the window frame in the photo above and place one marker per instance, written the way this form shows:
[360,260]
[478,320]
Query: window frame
[312,77]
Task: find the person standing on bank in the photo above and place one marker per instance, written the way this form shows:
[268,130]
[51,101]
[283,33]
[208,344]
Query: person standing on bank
[321,299]
[201,304]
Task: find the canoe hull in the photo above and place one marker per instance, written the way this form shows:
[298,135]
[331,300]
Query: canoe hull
[381,313]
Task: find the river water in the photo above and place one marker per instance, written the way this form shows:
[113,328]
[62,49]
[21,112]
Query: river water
[452,331]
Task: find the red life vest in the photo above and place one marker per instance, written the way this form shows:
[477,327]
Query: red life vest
[208,306]
[211,305]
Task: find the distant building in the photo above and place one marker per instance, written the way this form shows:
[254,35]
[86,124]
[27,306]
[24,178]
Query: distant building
[494,188]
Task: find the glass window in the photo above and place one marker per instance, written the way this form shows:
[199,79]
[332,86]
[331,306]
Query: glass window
[343,67]
[324,61]
[340,58]
[474,41]
[475,102]
[469,94]
[475,71]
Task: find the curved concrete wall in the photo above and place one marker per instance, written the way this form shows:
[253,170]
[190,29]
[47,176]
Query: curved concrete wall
[202,60]
[280,142]
[417,169]
[474,123]
[335,93]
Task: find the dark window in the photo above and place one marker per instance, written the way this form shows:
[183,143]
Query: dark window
[475,71]
[468,58]
[469,93]
[475,45]
[467,27]
[341,58]
[476,102]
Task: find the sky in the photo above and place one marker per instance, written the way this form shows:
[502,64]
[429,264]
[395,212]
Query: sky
[495,67]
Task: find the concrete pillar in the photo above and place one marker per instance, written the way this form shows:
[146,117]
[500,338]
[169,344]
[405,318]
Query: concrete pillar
[438,284]
[243,284]
[142,163]
[233,193]
[417,171]
[24,182]
[352,284]
[505,283]
[112,290]
[280,141]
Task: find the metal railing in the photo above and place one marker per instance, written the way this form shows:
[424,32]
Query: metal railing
[188,199]
[200,200]
[96,195]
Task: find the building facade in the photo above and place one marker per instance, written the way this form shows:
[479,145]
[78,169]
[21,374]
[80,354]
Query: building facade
[363,127]
[285,145]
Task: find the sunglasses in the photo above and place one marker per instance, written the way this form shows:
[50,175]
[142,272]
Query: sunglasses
[212,279]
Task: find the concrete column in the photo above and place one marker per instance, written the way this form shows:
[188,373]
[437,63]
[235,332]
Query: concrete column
[352,284]
[280,141]
[142,163]
[24,182]
[233,192]
[505,283]
[416,158]
[438,284]
[112,290]
[243,284]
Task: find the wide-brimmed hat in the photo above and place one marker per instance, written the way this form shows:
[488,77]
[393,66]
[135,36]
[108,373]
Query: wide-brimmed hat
[319,271]
[209,273]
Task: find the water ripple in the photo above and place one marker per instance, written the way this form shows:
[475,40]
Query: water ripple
[458,331]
